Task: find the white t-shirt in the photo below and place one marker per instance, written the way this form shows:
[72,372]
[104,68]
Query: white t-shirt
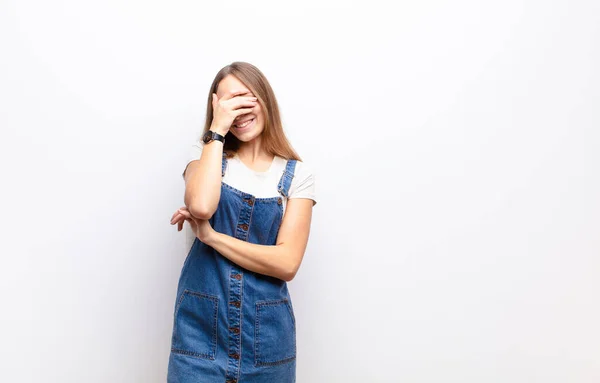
[264,184]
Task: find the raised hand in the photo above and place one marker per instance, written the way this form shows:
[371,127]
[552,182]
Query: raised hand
[227,108]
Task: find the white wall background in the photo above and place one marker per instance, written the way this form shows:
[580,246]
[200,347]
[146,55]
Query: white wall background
[457,235]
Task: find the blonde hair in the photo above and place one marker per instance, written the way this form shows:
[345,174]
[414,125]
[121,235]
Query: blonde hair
[274,139]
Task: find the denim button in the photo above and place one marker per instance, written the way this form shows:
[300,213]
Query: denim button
[279,202]
[244,226]
[234,356]
[237,276]
[235,303]
[235,330]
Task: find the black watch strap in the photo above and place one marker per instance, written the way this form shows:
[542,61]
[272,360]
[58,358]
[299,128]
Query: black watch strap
[210,136]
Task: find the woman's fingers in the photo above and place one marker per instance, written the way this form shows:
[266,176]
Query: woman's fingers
[182,215]
[225,109]
[185,213]
[238,102]
[177,213]
[178,216]
[232,94]
[174,216]
[239,112]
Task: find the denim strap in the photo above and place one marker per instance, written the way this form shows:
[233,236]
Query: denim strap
[286,178]
[223,164]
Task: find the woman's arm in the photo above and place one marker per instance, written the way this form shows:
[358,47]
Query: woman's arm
[281,260]
[203,177]
[203,181]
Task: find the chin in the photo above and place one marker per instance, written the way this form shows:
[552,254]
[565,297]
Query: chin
[248,136]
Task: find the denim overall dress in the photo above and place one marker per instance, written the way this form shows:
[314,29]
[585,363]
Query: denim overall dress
[232,325]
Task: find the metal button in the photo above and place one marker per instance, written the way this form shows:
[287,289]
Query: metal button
[235,303]
[251,202]
[235,330]
[244,226]
[234,356]
[237,276]
[279,201]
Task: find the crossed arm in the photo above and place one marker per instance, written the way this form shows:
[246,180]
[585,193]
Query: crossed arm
[281,260]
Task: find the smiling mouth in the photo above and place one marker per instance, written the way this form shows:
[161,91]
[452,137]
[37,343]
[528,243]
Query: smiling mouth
[244,124]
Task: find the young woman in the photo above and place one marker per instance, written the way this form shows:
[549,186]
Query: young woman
[248,198]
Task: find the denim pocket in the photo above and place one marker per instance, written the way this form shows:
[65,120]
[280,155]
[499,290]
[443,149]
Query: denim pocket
[195,327]
[274,333]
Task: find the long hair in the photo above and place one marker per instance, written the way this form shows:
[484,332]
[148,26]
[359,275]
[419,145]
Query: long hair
[274,139]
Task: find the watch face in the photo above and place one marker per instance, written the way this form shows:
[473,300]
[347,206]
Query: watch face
[207,137]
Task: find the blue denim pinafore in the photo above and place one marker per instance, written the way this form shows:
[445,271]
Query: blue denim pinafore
[232,325]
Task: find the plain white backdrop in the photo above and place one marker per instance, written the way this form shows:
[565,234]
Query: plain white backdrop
[456,147]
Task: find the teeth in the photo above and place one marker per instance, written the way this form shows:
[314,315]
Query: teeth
[244,124]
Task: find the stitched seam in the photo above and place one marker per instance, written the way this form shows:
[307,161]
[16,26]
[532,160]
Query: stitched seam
[191,353]
[256,335]
[239,369]
[249,222]
[238,191]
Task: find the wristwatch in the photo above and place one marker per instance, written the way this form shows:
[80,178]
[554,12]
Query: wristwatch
[210,136]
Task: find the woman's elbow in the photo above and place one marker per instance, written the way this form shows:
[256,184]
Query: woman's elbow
[200,211]
[289,272]
[288,277]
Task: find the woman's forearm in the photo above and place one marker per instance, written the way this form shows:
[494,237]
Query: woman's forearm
[262,259]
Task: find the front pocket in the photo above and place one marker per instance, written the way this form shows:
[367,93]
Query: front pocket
[274,333]
[195,327]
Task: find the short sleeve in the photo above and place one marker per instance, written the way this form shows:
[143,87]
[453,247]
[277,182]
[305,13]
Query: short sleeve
[195,152]
[303,183]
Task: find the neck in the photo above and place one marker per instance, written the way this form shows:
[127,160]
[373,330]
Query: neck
[253,150]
